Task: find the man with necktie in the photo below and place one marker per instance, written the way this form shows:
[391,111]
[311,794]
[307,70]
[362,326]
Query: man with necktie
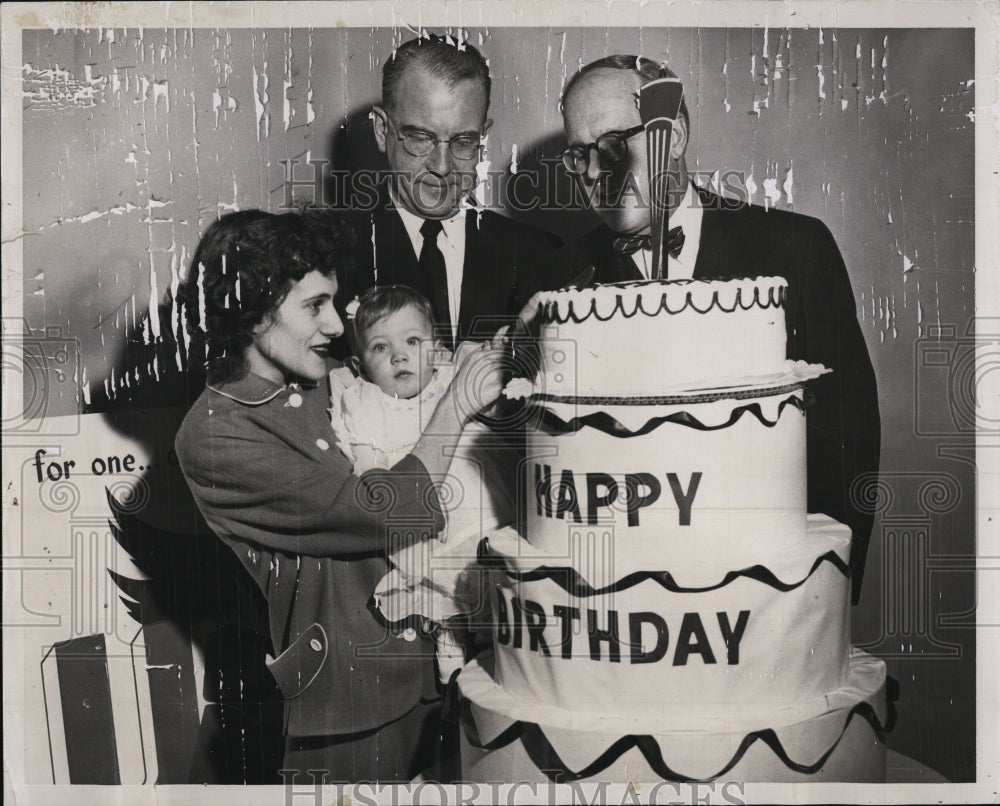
[711,236]
[425,230]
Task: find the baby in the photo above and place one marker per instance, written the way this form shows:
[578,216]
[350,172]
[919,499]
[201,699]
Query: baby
[378,416]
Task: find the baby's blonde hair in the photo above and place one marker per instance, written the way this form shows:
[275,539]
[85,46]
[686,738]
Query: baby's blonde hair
[382,301]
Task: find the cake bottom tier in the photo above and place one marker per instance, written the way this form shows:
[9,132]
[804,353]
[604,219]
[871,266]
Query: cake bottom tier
[504,739]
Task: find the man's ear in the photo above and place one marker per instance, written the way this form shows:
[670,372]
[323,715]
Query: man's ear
[379,124]
[487,124]
[679,138]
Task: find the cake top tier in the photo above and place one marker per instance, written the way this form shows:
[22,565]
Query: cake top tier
[660,297]
[650,338]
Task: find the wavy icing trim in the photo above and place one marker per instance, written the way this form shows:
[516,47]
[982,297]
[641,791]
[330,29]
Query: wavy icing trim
[787,562]
[544,756]
[552,423]
[676,296]
[581,748]
[571,581]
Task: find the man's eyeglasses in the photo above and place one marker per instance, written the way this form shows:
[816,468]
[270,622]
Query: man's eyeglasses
[612,146]
[420,144]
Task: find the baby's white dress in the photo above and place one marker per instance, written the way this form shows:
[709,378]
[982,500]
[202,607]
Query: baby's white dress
[432,579]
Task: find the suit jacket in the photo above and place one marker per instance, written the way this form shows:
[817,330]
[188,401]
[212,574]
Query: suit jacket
[501,257]
[843,426]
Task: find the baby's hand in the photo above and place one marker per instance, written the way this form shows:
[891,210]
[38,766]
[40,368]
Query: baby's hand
[501,338]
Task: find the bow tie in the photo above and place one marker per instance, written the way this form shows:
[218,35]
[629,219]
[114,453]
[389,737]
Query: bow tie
[630,244]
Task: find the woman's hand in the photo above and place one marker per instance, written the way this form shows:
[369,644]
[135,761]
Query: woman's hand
[476,384]
[478,380]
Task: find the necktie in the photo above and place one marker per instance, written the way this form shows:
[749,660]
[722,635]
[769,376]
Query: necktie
[630,244]
[434,274]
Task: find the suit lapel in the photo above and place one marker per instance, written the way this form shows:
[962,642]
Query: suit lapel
[395,260]
[627,269]
[472,281]
[710,256]
[712,240]
[490,259]
[397,263]
[725,233]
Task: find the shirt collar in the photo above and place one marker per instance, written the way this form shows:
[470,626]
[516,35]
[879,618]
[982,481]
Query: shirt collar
[252,389]
[687,216]
[413,223]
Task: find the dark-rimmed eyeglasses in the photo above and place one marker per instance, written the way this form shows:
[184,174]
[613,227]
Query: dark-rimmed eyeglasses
[420,144]
[612,146]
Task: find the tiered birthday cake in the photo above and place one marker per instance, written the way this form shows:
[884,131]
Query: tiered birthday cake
[666,608]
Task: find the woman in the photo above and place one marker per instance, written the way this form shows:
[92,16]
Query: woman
[258,452]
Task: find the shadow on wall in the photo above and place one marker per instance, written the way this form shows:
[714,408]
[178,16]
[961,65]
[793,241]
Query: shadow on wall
[196,599]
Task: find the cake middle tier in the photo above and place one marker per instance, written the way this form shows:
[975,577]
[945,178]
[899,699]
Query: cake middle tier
[616,489]
[765,637]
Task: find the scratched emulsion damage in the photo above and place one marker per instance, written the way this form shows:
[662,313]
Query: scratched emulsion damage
[56,88]
[121,88]
[185,124]
[772,71]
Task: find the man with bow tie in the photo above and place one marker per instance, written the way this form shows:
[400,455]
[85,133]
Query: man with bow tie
[710,236]
[607,157]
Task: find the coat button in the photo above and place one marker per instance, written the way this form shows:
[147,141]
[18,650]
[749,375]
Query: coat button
[409,634]
[295,400]
[322,444]
[315,644]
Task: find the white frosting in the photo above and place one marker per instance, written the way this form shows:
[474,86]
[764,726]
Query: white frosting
[713,484]
[746,486]
[750,671]
[641,338]
[807,732]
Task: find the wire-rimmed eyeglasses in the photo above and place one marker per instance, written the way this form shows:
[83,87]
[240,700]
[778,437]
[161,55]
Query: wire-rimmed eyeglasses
[420,144]
[612,146]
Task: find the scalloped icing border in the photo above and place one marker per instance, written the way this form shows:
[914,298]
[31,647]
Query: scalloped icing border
[773,296]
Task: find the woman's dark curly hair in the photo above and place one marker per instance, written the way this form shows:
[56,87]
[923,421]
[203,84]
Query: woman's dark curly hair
[243,269]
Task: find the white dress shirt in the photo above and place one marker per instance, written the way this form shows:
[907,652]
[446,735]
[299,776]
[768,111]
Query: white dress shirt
[687,216]
[451,242]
